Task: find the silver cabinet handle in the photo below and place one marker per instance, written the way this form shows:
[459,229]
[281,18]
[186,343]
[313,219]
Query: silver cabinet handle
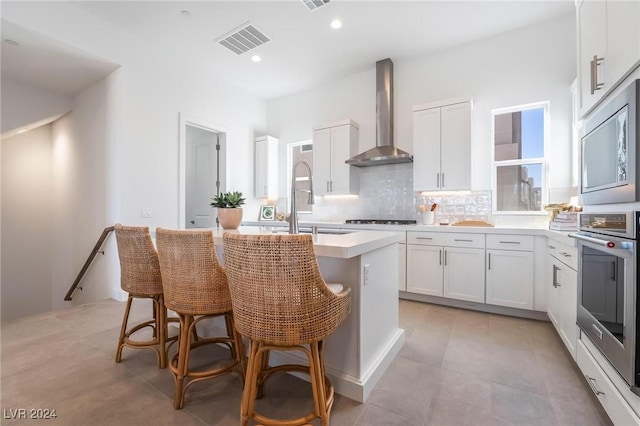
[565,254]
[597,331]
[489,261]
[328,190]
[445,258]
[437,180]
[552,247]
[592,384]
[555,276]
[424,238]
[440,257]
[331,185]
[509,242]
[464,241]
[442,180]
[595,63]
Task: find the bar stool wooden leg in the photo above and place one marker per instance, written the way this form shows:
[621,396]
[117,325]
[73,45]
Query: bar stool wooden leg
[123,329]
[317,377]
[180,362]
[250,384]
[161,329]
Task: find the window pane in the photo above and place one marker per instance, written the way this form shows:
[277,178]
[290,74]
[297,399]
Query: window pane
[519,135]
[519,188]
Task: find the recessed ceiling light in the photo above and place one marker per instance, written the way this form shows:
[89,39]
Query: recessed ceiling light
[336,23]
[11,42]
[185,13]
[256,58]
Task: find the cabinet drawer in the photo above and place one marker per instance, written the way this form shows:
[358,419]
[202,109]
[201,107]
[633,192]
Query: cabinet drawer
[612,401]
[510,242]
[565,253]
[425,238]
[464,240]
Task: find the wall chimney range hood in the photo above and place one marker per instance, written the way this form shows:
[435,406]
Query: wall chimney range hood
[384,152]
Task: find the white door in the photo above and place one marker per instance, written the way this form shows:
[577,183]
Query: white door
[340,151]
[424,269]
[569,309]
[202,177]
[464,274]
[322,161]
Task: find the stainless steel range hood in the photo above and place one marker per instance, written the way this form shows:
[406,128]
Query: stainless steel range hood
[384,152]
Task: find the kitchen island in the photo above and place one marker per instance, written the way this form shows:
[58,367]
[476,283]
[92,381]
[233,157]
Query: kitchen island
[359,351]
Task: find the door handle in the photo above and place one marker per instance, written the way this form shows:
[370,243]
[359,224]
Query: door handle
[445,258]
[489,261]
[595,63]
[440,257]
[555,276]
[592,384]
[193,222]
[328,190]
[437,180]
[442,180]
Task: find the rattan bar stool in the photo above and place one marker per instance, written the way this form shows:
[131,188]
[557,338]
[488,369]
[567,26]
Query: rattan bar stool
[140,277]
[195,287]
[281,303]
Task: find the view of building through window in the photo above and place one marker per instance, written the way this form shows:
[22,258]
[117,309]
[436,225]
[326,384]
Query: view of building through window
[519,158]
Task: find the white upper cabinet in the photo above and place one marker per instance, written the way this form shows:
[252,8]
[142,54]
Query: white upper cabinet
[608,47]
[266,167]
[332,145]
[442,146]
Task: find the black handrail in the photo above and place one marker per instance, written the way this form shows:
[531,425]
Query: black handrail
[96,250]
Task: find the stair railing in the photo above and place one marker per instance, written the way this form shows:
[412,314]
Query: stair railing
[85,267]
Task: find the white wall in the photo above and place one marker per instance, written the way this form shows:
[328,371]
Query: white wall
[524,66]
[121,140]
[27,221]
[23,105]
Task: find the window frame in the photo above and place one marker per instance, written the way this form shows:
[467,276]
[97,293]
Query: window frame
[543,161]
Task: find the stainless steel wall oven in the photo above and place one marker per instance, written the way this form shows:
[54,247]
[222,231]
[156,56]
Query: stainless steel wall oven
[608,287]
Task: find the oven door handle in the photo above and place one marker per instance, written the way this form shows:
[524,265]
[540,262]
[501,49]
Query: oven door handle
[598,241]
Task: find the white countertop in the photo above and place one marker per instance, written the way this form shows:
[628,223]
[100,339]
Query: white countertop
[329,245]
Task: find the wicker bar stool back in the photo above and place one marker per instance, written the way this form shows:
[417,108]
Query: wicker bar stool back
[195,287]
[140,277]
[281,303]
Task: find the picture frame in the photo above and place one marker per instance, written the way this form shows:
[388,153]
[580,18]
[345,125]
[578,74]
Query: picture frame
[267,212]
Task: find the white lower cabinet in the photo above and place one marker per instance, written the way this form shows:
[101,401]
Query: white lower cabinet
[446,265]
[562,293]
[603,385]
[510,271]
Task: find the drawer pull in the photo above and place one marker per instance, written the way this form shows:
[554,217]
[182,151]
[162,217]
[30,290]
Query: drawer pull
[461,240]
[565,254]
[556,284]
[489,266]
[592,384]
[552,247]
[509,242]
[424,238]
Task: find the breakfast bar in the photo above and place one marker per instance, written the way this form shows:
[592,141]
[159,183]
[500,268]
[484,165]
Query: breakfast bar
[360,350]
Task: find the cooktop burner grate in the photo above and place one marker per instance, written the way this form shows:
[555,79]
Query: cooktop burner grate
[381,221]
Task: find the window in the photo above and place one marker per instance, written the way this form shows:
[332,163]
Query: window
[519,164]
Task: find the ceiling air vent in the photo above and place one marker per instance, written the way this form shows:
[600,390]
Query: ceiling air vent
[243,39]
[314,4]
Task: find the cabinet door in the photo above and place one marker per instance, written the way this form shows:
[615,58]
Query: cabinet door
[510,278]
[464,274]
[340,151]
[554,300]
[623,38]
[321,161]
[569,309]
[402,276]
[261,168]
[592,41]
[424,269]
[426,149]
[455,151]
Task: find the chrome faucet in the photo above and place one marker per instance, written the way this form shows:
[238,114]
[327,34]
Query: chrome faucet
[293,217]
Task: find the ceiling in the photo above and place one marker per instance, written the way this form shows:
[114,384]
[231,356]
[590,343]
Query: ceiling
[303,51]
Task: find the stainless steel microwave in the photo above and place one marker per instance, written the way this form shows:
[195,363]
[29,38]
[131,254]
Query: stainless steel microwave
[610,148]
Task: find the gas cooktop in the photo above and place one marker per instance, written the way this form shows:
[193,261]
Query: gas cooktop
[381,221]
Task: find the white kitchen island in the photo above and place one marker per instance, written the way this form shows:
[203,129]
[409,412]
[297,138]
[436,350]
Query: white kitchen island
[359,351]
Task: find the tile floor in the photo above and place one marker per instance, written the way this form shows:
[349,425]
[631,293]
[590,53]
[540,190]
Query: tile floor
[457,367]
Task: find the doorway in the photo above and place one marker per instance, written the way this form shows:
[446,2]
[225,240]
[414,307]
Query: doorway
[202,171]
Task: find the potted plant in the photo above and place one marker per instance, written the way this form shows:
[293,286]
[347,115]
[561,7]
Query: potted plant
[229,210]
